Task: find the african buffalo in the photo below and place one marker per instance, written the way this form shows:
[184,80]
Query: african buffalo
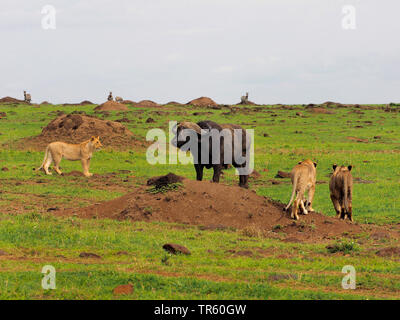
[215,146]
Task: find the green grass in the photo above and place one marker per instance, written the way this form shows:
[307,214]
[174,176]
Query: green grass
[35,238]
[211,272]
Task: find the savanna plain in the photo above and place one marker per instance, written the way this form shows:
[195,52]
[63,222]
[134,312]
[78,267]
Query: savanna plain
[41,219]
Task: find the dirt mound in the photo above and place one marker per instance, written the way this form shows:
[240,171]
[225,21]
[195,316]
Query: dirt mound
[147,104]
[128,102]
[202,102]
[210,204]
[11,100]
[111,106]
[248,103]
[173,103]
[75,128]
[86,102]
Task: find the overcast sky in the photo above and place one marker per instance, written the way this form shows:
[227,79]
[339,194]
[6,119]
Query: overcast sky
[280,51]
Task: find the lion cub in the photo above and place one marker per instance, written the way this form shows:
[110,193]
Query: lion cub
[303,176]
[55,151]
[341,187]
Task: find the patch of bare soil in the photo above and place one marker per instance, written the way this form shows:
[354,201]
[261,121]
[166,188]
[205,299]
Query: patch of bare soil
[123,289]
[358,139]
[202,113]
[282,174]
[389,252]
[76,128]
[202,102]
[320,110]
[204,203]
[111,106]
[11,100]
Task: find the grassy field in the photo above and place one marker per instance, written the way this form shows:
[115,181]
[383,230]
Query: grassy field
[131,252]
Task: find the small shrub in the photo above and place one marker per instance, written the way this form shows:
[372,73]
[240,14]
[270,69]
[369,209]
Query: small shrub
[165,260]
[253,231]
[164,189]
[345,247]
[277,227]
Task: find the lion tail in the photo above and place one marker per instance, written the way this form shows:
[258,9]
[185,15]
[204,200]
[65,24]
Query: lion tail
[44,159]
[345,196]
[293,192]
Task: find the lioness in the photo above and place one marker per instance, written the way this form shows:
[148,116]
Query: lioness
[303,177]
[341,187]
[55,151]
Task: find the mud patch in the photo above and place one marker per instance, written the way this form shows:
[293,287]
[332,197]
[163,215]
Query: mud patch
[320,110]
[357,139]
[389,252]
[3,253]
[282,175]
[362,181]
[123,289]
[89,255]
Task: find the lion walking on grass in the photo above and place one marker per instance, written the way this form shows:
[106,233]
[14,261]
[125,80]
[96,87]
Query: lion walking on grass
[56,151]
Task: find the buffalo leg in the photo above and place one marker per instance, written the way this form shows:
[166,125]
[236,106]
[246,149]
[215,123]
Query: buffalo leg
[217,173]
[199,171]
[243,181]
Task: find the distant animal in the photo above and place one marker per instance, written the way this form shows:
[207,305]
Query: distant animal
[55,151]
[245,99]
[119,99]
[110,97]
[341,188]
[303,176]
[27,97]
[201,160]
